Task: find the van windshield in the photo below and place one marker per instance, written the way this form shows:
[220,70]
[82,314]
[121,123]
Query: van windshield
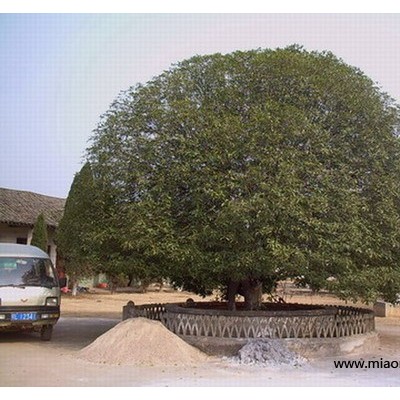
[24,271]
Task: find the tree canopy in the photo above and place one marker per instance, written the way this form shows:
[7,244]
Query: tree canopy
[235,171]
[39,233]
[73,238]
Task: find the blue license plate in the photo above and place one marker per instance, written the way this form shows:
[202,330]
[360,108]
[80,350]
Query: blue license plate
[24,316]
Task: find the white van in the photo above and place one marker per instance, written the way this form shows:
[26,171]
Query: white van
[29,290]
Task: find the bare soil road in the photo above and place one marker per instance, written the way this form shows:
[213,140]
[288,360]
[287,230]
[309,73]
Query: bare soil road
[27,361]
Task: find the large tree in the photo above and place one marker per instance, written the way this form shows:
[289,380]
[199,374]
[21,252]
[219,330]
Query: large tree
[91,236]
[235,171]
[80,217]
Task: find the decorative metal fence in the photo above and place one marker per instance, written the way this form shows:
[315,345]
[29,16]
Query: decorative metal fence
[150,311]
[317,322]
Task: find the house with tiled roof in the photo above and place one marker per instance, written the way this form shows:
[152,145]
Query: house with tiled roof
[19,211]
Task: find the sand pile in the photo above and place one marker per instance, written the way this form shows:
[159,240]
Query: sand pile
[140,341]
[268,352]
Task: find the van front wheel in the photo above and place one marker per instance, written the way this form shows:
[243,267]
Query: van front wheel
[46,332]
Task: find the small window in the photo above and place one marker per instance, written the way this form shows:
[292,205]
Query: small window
[49,250]
[21,240]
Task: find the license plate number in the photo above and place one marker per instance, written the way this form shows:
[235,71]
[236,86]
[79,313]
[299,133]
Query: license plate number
[26,316]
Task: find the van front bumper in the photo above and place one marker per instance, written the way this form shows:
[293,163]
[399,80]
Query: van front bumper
[28,317]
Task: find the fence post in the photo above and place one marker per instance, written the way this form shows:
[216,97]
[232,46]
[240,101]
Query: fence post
[129,311]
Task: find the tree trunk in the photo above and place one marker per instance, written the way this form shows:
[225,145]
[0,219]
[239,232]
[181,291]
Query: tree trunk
[233,288]
[113,284]
[74,289]
[250,289]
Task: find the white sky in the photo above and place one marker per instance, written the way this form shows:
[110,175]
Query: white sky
[60,72]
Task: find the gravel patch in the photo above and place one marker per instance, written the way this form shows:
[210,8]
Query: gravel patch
[269,353]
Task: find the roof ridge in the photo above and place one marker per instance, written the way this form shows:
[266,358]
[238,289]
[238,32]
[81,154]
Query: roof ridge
[34,193]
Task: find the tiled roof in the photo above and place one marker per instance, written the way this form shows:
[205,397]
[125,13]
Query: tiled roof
[18,207]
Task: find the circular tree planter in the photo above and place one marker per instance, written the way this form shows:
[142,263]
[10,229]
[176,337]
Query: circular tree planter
[311,330]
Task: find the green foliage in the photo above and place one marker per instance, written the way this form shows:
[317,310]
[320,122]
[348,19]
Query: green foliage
[39,234]
[259,165]
[79,219]
[92,234]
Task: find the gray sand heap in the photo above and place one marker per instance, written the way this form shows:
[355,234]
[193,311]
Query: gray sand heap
[140,341]
[269,353]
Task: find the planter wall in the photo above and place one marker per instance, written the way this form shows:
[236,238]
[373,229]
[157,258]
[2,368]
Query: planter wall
[309,330]
[277,322]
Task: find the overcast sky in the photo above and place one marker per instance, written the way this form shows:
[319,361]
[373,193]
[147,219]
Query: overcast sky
[60,72]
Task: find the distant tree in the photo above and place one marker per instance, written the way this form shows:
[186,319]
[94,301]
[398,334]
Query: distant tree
[74,241]
[39,234]
[235,171]
[119,259]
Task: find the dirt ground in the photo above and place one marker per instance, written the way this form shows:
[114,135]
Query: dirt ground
[100,303]
[25,361]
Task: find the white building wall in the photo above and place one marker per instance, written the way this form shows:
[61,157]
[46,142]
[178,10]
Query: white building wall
[11,234]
